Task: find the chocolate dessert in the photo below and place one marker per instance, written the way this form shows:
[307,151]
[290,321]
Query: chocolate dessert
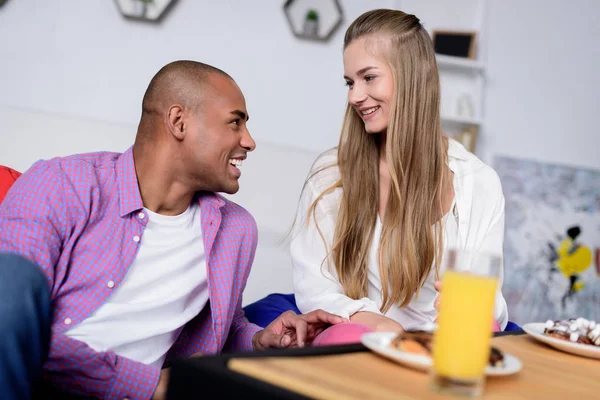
[420,342]
[496,358]
[578,330]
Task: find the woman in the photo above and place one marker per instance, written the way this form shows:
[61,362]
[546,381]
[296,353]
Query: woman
[376,213]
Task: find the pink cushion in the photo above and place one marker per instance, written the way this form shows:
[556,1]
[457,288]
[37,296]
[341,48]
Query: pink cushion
[496,326]
[346,333]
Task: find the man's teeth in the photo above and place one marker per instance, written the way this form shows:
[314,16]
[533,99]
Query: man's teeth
[369,111]
[235,162]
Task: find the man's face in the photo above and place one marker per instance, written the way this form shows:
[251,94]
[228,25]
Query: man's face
[217,138]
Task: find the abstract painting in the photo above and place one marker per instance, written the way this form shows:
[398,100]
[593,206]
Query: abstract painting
[552,240]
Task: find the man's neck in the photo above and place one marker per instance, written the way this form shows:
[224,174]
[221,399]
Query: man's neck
[162,190]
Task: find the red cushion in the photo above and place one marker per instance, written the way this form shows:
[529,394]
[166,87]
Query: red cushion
[8,176]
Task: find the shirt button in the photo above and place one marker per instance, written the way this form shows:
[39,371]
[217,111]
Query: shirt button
[68,321]
[142,215]
[136,238]
[110,284]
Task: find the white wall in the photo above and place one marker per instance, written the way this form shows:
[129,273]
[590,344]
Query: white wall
[542,85]
[73,73]
[543,90]
[82,59]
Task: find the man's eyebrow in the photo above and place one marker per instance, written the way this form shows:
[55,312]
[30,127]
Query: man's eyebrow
[362,71]
[241,114]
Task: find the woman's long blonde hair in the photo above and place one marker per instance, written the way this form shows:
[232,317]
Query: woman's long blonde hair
[416,153]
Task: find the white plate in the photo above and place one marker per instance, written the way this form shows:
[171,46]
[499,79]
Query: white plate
[536,330]
[379,342]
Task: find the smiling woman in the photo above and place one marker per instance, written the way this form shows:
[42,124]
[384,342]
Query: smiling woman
[377,213]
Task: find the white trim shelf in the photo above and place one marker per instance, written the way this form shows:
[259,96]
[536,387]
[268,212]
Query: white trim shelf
[460,120]
[467,64]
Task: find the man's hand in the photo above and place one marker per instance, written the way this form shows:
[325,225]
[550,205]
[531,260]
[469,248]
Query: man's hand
[293,330]
[160,393]
[377,322]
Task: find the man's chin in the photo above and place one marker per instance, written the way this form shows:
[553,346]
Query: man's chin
[231,189]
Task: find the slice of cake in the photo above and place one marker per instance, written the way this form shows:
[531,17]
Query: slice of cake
[420,342]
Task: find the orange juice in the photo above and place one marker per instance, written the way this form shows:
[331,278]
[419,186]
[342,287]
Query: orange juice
[462,341]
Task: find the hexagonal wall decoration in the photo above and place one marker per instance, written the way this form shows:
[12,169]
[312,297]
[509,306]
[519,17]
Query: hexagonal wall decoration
[145,10]
[313,19]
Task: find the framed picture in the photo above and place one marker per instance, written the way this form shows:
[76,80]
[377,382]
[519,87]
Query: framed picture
[313,19]
[144,10]
[455,43]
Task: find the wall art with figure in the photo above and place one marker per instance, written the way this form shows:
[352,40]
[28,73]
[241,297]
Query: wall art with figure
[552,240]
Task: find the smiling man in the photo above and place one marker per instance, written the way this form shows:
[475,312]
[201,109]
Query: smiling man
[115,263]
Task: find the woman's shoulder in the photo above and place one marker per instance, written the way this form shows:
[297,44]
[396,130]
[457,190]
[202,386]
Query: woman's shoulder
[324,171]
[468,166]
[326,159]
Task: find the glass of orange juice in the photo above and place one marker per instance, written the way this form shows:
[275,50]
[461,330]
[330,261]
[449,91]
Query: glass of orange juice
[461,344]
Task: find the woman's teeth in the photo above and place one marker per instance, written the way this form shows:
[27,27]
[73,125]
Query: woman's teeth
[369,111]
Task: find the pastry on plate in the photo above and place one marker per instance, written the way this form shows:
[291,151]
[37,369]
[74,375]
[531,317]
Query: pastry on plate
[575,330]
[420,342]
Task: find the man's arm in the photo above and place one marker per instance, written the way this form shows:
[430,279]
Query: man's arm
[35,222]
[288,330]
[242,331]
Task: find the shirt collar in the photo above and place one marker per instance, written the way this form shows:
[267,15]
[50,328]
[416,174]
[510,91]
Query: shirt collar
[457,150]
[129,191]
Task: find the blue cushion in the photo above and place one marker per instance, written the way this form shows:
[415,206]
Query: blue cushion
[265,311]
[511,326]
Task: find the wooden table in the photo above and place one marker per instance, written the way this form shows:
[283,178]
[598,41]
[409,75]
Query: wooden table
[547,374]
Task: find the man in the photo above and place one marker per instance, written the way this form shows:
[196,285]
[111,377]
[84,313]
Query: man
[143,260]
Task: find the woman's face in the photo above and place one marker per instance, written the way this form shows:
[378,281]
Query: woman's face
[370,84]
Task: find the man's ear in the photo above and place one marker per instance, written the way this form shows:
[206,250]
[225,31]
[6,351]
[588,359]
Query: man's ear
[176,121]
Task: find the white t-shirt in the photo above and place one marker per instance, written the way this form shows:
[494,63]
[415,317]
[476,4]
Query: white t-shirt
[476,222]
[165,288]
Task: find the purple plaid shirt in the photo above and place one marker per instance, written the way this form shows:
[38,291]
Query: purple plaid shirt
[78,218]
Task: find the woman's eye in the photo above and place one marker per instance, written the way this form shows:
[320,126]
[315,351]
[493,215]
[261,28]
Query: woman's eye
[369,78]
[348,83]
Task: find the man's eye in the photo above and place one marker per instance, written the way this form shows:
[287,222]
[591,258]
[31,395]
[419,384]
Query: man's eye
[348,83]
[236,122]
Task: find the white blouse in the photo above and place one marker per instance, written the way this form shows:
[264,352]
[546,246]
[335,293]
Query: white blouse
[475,222]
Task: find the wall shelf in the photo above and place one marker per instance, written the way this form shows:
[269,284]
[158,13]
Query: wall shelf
[459,63]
